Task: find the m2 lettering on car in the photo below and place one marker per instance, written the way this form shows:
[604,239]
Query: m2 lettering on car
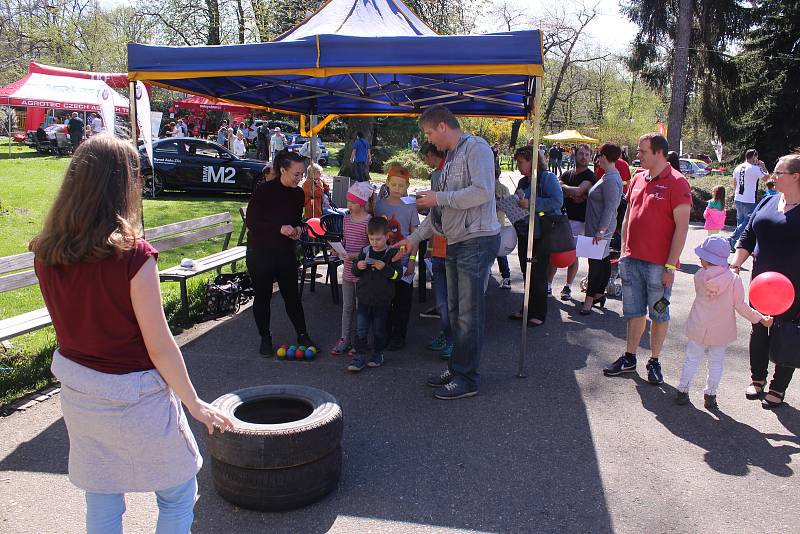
[223,175]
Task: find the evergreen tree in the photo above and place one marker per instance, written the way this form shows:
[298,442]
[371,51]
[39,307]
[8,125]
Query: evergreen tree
[755,105]
[677,46]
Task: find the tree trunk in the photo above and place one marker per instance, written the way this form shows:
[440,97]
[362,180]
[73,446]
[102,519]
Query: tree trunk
[515,126]
[680,75]
[240,20]
[213,22]
[364,125]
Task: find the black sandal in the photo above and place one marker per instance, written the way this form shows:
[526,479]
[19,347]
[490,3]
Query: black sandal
[516,316]
[600,303]
[771,405]
[534,325]
[757,390]
[584,311]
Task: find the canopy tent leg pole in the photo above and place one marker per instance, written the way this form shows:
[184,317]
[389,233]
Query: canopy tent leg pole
[312,144]
[537,101]
[134,139]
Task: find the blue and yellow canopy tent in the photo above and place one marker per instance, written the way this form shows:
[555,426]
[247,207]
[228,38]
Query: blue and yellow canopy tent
[360,58]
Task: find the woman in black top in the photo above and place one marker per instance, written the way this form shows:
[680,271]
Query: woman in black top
[273,221]
[772,236]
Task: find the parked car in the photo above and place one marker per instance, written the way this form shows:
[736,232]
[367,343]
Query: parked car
[191,164]
[701,163]
[297,141]
[690,168]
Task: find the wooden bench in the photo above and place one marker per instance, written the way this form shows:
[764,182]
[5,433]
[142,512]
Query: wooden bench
[172,236]
[17,272]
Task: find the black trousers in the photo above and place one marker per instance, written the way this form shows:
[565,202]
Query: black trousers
[401,310]
[599,274]
[759,360]
[265,268]
[537,292]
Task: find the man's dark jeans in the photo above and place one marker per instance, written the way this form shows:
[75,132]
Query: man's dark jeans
[374,317]
[467,265]
[361,171]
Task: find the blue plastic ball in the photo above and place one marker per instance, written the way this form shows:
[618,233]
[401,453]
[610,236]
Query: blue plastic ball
[310,354]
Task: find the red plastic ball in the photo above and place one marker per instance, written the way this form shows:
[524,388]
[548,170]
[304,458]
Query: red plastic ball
[299,354]
[771,293]
[563,259]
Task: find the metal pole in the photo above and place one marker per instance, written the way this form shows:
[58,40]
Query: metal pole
[312,143]
[537,101]
[135,137]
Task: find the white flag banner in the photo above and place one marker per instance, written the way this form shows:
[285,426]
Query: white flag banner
[144,119]
[107,108]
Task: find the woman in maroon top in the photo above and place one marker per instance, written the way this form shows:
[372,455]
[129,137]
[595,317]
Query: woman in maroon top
[273,221]
[122,374]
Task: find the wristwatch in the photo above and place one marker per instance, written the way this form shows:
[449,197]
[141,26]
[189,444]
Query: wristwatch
[668,267]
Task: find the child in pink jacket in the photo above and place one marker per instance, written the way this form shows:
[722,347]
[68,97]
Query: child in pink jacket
[712,321]
[715,211]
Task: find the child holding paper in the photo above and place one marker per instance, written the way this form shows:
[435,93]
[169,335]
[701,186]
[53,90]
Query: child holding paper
[360,202]
[602,202]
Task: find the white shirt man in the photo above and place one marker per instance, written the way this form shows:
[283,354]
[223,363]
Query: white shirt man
[745,184]
[97,125]
[277,142]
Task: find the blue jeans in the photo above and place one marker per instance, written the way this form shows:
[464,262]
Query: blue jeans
[361,171]
[175,510]
[439,283]
[468,264]
[642,288]
[502,264]
[743,212]
[374,317]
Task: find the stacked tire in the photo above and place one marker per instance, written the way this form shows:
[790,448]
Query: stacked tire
[284,451]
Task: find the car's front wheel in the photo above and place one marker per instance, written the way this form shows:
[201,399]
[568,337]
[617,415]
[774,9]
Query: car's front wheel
[153,185]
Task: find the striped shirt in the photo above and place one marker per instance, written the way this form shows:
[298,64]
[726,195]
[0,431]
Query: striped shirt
[355,239]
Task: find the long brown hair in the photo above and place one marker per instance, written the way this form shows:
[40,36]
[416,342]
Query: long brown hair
[96,212]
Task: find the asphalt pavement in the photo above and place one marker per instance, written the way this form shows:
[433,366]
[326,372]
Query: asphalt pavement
[563,450]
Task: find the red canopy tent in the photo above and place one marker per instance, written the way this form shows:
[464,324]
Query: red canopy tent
[116,80]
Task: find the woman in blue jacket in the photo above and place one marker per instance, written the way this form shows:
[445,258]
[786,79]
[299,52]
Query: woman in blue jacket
[549,199]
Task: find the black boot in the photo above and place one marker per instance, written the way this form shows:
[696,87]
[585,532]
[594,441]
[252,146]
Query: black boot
[266,349]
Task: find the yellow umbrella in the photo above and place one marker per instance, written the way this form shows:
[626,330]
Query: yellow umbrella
[569,136]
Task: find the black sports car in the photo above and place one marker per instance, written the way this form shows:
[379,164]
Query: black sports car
[191,164]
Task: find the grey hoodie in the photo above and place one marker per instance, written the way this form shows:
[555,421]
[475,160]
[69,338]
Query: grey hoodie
[465,202]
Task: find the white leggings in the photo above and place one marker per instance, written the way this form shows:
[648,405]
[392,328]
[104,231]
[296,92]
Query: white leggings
[348,309]
[694,355]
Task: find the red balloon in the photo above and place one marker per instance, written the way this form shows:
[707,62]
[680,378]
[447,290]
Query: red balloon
[771,293]
[316,227]
[563,259]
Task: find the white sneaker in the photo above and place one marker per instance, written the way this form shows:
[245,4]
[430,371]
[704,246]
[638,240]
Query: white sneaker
[506,283]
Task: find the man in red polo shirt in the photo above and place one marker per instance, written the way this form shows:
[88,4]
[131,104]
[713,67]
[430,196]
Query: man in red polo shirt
[653,234]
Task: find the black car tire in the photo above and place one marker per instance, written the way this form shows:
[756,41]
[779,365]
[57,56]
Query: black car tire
[277,489]
[284,450]
[147,187]
[310,426]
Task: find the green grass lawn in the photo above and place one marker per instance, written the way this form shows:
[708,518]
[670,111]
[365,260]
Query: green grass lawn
[28,185]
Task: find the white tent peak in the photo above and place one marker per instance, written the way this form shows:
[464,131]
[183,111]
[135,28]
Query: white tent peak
[360,18]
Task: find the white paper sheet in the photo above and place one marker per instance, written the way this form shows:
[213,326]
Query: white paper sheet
[337,246]
[510,206]
[586,249]
[409,200]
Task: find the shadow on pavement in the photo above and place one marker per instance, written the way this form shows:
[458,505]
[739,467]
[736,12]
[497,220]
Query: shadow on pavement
[518,458]
[731,447]
[46,453]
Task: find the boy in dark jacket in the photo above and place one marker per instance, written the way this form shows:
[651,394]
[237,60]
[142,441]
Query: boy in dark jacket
[376,272]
